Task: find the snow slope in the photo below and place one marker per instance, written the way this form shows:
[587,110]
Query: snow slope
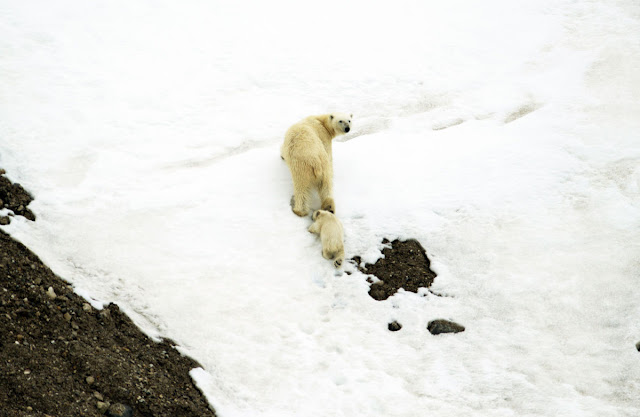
[503,136]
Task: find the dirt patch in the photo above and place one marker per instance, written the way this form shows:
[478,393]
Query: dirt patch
[14,197]
[61,357]
[404,265]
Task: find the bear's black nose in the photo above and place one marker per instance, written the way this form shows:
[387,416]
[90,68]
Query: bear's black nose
[346,129]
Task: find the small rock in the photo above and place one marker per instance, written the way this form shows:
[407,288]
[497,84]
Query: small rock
[638,346]
[102,406]
[67,316]
[51,293]
[444,326]
[38,281]
[86,307]
[90,380]
[74,325]
[119,410]
[29,409]
[98,396]
[27,372]
[4,220]
[395,326]
[377,292]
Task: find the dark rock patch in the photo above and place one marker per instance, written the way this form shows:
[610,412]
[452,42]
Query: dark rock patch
[15,198]
[61,357]
[444,326]
[404,265]
[394,326]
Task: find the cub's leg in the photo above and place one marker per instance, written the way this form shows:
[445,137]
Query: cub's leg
[339,259]
[314,228]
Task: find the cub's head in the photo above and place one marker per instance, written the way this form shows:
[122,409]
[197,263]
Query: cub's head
[319,214]
[341,122]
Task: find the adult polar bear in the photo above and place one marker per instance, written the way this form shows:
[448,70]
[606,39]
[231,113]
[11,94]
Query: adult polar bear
[307,152]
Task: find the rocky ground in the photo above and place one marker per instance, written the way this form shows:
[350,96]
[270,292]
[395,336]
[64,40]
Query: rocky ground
[61,357]
[405,265]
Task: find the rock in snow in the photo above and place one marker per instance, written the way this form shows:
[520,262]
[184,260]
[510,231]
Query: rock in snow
[444,326]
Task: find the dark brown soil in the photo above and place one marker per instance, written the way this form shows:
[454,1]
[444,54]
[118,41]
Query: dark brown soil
[404,265]
[14,197]
[61,357]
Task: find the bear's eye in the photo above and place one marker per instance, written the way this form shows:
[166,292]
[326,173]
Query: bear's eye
[341,121]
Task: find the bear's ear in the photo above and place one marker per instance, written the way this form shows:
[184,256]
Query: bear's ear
[331,116]
[351,115]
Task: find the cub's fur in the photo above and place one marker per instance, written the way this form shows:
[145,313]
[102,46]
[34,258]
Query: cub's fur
[327,225]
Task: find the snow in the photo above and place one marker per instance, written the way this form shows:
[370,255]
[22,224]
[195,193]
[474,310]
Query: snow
[503,136]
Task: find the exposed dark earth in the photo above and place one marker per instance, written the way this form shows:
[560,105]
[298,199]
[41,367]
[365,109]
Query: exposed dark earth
[61,357]
[405,265]
[14,198]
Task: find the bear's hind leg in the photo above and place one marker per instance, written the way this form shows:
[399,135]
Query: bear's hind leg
[300,199]
[326,195]
[302,182]
[299,205]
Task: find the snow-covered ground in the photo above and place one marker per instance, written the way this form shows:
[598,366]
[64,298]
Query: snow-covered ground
[503,135]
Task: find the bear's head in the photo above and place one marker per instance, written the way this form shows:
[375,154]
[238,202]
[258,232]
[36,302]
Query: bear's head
[318,214]
[341,122]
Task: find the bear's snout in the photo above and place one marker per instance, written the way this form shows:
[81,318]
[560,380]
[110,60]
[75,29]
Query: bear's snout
[347,129]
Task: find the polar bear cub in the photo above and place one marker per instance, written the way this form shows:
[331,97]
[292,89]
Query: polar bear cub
[327,225]
[307,152]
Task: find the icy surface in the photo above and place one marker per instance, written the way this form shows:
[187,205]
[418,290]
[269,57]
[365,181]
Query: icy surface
[503,135]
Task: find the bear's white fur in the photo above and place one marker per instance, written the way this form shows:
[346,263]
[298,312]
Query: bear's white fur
[307,152]
[327,225]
